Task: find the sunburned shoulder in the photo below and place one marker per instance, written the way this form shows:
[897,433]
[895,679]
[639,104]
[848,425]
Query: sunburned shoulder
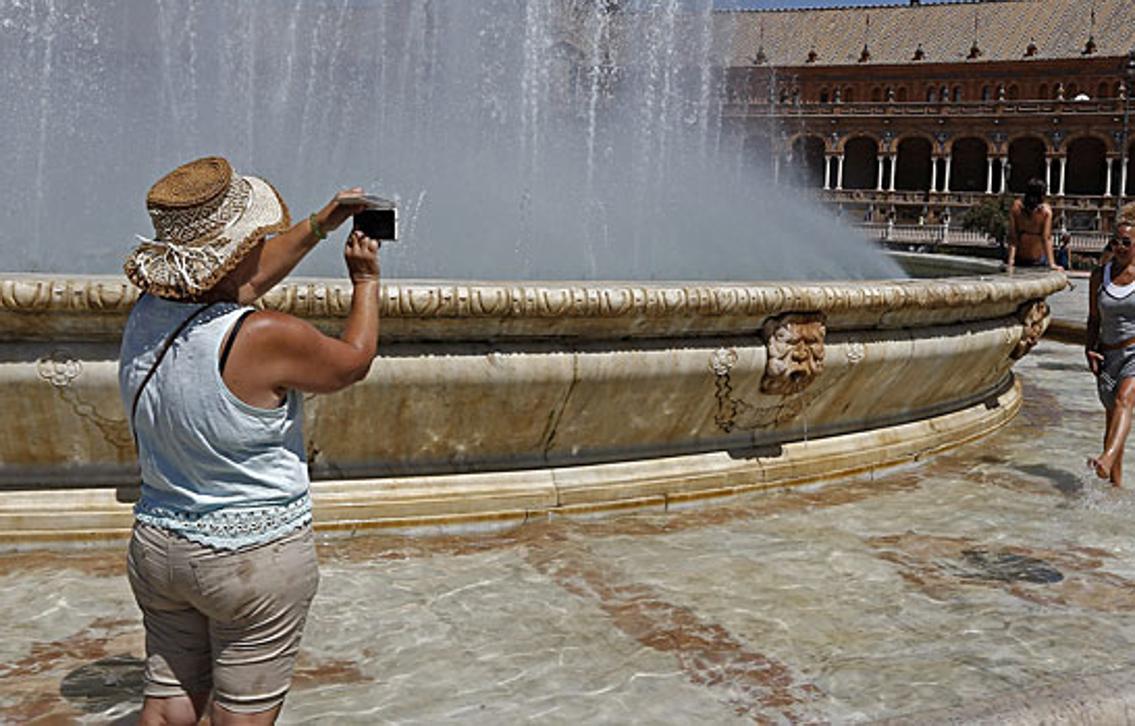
[272,329]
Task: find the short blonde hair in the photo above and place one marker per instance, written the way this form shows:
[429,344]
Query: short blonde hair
[1127,214]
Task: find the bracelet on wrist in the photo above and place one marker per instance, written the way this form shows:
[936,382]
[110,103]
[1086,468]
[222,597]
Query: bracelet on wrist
[316,230]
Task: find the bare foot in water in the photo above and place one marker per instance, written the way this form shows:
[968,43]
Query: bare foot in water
[1101,468]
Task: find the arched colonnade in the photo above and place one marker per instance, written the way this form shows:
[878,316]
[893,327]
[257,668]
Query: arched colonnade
[1082,165]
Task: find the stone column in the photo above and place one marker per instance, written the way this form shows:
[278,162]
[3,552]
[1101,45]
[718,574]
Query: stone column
[827,172]
[946,186]
[1048,172]
[933,173]
[1063,169]
[989,176]
[1123,181]
[879,183]
[894,170]
[1004,175]
[839,172]
[1110,178]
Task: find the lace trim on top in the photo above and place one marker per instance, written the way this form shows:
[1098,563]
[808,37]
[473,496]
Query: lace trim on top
[230,528]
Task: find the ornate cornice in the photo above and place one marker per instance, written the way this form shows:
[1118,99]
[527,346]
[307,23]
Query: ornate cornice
[527,308]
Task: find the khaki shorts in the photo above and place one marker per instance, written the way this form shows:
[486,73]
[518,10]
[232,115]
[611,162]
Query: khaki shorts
[222,620]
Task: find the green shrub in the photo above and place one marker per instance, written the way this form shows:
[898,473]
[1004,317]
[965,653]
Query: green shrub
[991,216]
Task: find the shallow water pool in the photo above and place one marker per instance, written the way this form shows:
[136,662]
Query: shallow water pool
[997,567]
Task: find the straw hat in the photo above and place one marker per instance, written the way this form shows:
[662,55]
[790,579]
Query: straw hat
[206,219]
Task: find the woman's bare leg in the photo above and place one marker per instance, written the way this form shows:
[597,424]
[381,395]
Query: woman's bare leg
[1109,465]
[220,716]
[173,710]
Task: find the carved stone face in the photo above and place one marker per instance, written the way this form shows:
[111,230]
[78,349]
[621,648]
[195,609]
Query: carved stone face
[1034,321]
[795,344]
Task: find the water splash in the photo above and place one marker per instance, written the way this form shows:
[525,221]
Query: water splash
[569,139]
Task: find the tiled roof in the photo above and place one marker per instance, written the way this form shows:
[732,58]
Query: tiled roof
[1059,28]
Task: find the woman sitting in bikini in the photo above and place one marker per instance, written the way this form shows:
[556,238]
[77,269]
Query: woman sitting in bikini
[1030,229]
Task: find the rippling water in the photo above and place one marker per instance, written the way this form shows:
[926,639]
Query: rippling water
[993,569]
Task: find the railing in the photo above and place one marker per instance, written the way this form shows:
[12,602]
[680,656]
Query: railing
[762,107]
[940,234]
[932,234]
[1071,202]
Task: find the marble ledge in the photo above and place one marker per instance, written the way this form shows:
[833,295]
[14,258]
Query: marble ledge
[434,299]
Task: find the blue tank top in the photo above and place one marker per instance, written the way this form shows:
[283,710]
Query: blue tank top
[215,469]
[1117,310]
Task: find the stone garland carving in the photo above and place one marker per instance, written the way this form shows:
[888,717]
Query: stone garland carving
[60,369]
[410,300]
[737,414]
[795,344]
[795,358]
[721,363]
[1034,321]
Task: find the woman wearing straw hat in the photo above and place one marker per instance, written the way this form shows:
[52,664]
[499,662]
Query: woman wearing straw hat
[222,559]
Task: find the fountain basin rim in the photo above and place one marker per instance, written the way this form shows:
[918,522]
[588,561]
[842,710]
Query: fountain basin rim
[94,307]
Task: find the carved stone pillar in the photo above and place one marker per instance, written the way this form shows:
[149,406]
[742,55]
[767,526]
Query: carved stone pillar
[839,172]
[1048,173]
[879,182]
[989,176]
[894,170]
[946,184]
[827,172]
[933,173]
[1063,174]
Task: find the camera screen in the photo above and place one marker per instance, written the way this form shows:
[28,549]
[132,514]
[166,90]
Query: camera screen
[379,224]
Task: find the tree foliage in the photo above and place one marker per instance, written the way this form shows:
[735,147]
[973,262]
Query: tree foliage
[991,216]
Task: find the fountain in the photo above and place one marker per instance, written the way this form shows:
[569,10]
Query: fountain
[571,322]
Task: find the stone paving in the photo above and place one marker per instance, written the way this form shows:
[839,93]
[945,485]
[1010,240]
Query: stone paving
[996,568]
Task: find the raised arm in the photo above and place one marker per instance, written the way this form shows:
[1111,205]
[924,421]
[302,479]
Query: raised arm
[279,255]
[275,352]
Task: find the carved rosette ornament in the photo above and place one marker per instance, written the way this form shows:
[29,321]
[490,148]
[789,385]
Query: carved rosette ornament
[59,368]
[795,346]
[1034,321]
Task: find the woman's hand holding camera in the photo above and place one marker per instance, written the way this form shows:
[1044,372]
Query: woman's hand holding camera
[361,254]
[339,210]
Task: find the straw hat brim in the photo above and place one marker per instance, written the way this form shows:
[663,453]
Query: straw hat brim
[180,271]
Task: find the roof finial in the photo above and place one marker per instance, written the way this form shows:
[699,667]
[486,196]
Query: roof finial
[919,54]
[974,51]
[1031,49]
[1090,46]
[865,55]
[760,58]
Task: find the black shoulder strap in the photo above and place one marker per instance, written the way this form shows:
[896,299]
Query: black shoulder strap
[158,361]
[232,339]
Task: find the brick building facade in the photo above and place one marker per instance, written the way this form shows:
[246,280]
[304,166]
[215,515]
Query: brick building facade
[916,112]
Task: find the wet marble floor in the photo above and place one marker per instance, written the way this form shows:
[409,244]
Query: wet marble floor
[996,567]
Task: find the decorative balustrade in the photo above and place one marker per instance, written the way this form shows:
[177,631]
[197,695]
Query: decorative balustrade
[762,107]
[940,234]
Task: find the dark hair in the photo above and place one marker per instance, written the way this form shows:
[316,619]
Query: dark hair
[1035,190]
